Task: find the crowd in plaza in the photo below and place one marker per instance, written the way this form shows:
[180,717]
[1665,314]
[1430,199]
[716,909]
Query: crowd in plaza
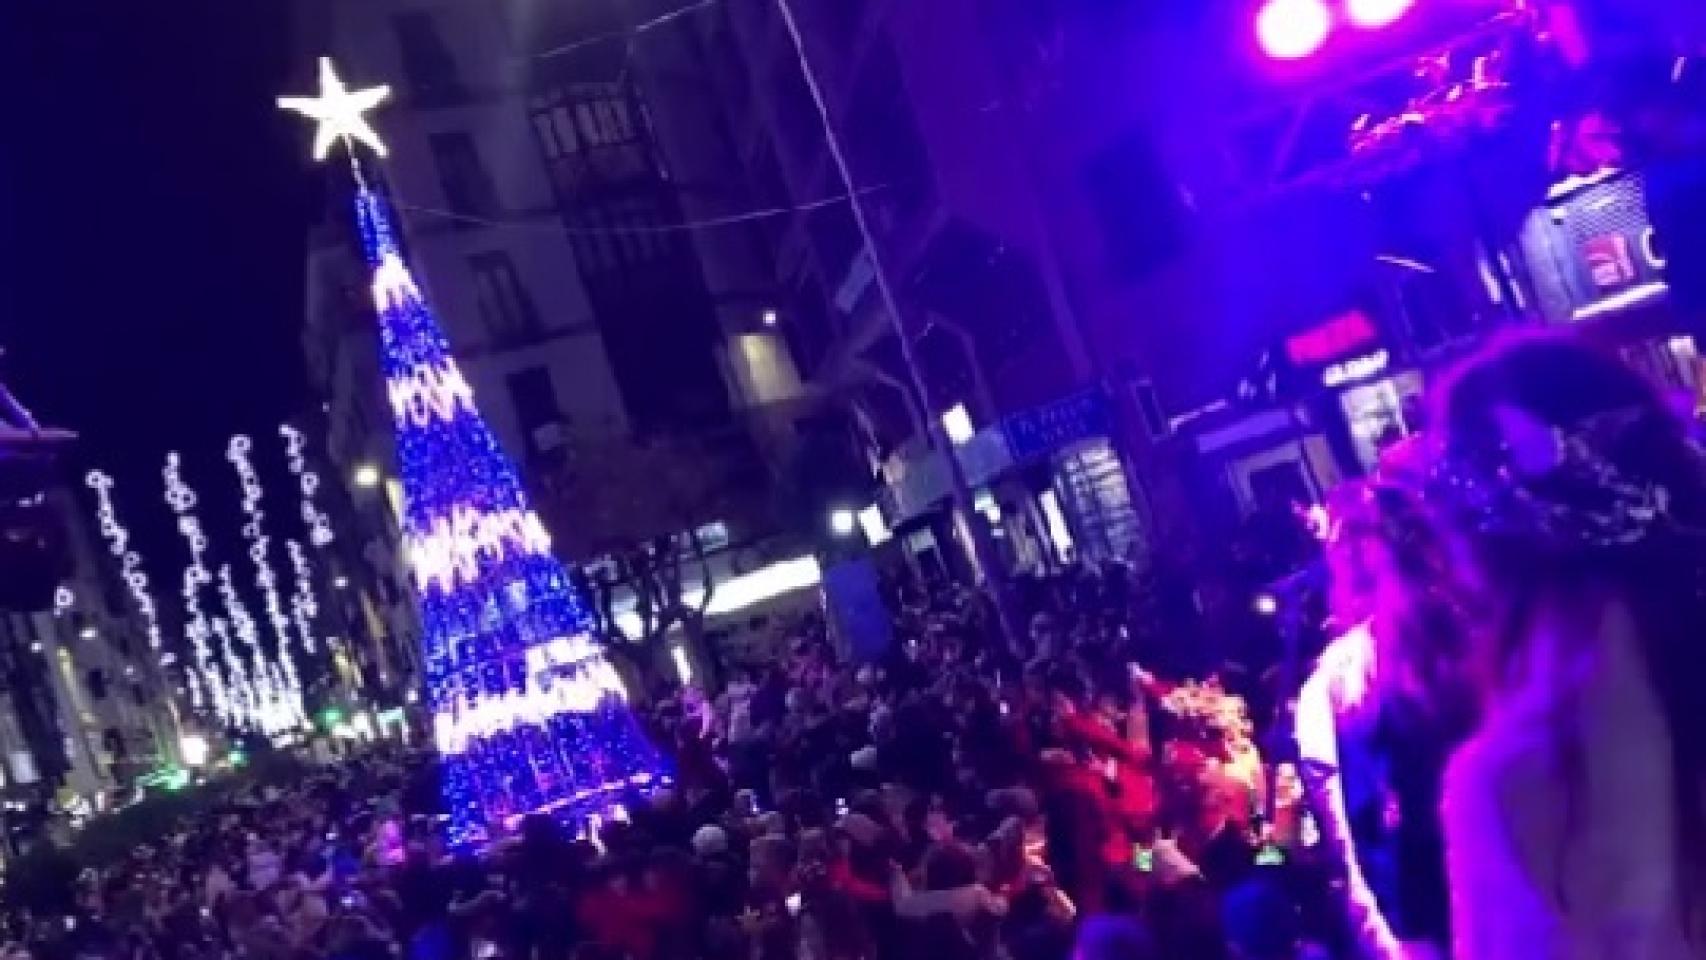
[1061,795]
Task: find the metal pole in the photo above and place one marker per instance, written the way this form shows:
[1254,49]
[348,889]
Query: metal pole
[982,545]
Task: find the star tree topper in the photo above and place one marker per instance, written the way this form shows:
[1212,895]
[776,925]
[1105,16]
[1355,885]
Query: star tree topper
[339,112]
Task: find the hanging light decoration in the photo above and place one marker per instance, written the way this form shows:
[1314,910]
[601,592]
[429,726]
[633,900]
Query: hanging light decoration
[273,696]
[318,524]
[130,561]
[244,705]
[303,607]
[255,533]
[182,501]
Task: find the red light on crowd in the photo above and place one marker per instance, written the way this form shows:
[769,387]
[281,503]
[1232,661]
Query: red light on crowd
[1373,14]
[1293,29]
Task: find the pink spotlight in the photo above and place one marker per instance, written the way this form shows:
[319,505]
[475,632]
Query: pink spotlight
[1293,29]
[1374,14]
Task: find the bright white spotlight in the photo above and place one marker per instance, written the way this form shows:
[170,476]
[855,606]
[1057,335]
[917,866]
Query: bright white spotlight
[842,523]
[1265,604]
[367,476]
[194,748]
[956,423]
[876,528]
[1374,14]
[1293,29]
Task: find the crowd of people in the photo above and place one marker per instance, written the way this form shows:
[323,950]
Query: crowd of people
[1498,756]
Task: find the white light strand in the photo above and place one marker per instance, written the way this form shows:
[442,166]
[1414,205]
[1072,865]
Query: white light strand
[194,686]
[130,561]
[183,501]
[303,607]
[319,525]
[278,689]
[254,531]
[273,698]
[241,699]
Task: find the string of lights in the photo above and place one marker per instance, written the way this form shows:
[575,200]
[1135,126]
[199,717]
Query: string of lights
[182,500]
[244,707]
[273,698]
[277,681]
[254,531]
[130,561]
[303,607]
[319,525]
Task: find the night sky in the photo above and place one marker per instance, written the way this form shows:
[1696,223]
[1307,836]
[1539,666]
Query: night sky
[152,210]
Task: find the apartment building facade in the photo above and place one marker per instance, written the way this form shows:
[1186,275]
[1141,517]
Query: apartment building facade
[603,338]
[936,132]
[87,705]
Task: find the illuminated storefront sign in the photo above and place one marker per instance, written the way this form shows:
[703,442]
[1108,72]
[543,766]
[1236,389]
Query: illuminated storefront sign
[1355,369]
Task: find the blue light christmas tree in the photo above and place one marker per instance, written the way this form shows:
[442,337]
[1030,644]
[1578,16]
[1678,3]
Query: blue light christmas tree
[527,713]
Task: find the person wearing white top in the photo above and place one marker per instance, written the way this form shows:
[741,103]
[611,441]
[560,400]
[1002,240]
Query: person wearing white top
[1379,715]
[1575,816]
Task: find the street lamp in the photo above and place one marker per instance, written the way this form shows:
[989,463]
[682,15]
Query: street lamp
[843,522]
[193,747]
[956,423]
[367,476]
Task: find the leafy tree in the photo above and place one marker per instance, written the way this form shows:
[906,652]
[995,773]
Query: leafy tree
[631,508]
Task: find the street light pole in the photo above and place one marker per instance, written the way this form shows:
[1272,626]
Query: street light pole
[984,556]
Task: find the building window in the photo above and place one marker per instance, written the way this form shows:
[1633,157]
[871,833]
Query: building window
[605,121]
[505,306]
[618,234]
[467,187]
[592,134]
[555,125]
[535,398]
[427,63]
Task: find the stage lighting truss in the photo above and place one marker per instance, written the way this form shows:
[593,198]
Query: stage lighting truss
[1361,126]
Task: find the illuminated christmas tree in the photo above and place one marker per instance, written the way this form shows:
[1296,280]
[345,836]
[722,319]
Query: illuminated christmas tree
[527,713]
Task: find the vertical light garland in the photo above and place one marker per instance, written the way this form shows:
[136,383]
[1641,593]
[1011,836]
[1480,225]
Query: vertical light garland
[303,607]
[276,703]
[130,561]
[245,707]
[182,501]
[314,520]
[280,683]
